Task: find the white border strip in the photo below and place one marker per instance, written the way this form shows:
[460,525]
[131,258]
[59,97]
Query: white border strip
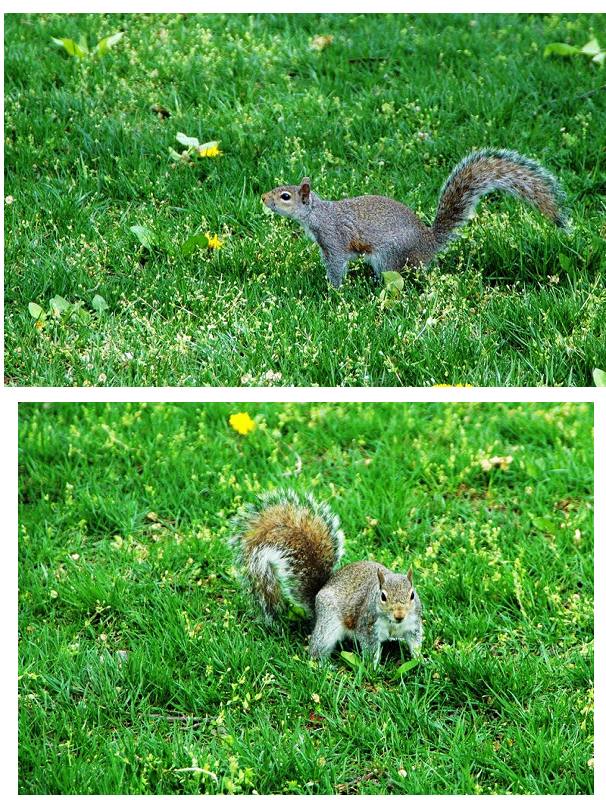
[8,460]
[305,394]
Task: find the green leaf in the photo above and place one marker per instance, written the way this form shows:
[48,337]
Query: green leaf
[78,311]
[351,658]
[394,281]
[58,305]
[599,59]
[197,240]
[187,141]
[407,666]
[565,262]
[144,235]
[599,376]
[592,48]
[544,524]
[71,47]
[296,612]
[103,45]
[174,155]
[99,303]
[560,49]
[36,311]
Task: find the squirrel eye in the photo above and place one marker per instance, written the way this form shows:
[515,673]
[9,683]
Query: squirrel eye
[285,196]
[412,595]
[383,597]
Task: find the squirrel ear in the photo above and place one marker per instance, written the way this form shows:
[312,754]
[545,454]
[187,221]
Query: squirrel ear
[409,575]
[304,190]
[381,577]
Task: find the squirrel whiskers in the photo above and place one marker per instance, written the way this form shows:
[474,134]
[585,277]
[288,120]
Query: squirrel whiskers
[390,236]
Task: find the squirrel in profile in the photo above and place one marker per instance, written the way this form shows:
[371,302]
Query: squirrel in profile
[288,548]
[390,236]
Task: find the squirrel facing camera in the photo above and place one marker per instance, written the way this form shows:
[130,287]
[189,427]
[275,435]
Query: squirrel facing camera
[390,236]
[367,602]
[287,549]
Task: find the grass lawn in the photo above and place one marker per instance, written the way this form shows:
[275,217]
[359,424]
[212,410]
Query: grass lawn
[388,107]
[143,667]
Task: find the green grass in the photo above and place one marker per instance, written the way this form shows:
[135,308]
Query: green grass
[140,655]
[513,302]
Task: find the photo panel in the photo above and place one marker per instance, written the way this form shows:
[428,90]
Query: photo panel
[319,598]
[304,200]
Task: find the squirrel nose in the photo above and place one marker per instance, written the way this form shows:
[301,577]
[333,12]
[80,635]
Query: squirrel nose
[398,615]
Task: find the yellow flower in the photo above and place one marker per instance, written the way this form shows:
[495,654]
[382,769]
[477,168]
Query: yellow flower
[214,243]
[242,423]
[452,386]
[209,150]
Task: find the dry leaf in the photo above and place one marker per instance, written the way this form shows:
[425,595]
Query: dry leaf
[321,42]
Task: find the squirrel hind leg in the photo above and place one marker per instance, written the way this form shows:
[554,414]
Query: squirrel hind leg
[396,259]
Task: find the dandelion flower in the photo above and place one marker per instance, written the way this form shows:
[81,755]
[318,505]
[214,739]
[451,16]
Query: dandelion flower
[209,150]
[214,243]
[242,423]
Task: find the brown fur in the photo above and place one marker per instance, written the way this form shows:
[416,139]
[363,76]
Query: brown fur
[301,534]
[358,246]
[268,592]
[350,621]
[390,236]
[470,179]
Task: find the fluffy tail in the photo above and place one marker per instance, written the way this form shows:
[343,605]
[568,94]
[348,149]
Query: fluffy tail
[286,548]
[487,170]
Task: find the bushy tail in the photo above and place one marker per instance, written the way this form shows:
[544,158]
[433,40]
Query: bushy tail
[286,548]
[487,170]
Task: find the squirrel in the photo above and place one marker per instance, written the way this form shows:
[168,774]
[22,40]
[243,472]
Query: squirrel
[390,236]
[288,548]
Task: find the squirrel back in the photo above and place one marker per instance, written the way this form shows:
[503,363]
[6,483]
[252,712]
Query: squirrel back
[287,547]
[390,236]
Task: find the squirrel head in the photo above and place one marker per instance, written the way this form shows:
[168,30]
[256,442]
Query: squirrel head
[396,595]
[290,201]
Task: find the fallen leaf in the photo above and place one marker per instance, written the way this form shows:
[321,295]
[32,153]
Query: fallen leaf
[321,42]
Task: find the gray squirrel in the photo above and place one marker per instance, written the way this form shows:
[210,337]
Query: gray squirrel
[288,547]
[390,236]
